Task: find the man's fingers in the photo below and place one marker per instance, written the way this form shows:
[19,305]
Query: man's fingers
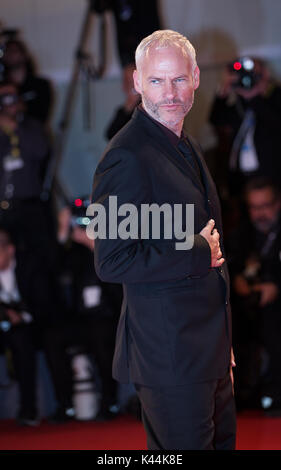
[219,262]
[232,380]
[215,234]
[208,229]
[210,225]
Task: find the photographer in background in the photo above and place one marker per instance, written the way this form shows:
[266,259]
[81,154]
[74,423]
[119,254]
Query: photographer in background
[246,115]
[26,307]
[18,68]
[90,312]
[24,148]
[254,257]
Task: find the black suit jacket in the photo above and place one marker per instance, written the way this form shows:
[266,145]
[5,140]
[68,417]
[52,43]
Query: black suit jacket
[174,326]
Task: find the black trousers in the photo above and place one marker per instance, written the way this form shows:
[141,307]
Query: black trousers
[198,416]
[21,341]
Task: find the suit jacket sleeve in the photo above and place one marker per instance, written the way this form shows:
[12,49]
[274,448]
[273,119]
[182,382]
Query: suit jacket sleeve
[121,174]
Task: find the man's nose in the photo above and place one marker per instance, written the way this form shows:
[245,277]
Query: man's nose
[170,90]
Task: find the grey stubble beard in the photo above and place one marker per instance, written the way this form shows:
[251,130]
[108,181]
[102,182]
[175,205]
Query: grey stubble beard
[153,110]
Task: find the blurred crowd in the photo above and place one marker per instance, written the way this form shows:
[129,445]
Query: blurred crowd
[50,296]
[246,118]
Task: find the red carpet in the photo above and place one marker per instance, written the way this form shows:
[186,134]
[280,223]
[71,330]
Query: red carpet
[255,432]
[124,433]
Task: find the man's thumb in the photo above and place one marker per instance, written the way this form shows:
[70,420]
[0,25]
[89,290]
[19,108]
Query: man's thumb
[210,224]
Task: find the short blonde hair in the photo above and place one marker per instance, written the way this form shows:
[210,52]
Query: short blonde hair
[165,38]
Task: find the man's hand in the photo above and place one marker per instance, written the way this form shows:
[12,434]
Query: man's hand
[268,291]
[212,236]
[14,317]
[232,364]
[241,286]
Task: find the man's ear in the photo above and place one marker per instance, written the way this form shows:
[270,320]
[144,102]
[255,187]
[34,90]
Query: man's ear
[196,77]
[137,84]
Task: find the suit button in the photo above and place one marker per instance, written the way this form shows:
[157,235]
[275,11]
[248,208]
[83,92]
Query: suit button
[226,303]
[220,270]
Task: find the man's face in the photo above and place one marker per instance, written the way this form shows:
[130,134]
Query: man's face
[7,252]
[264,208]
[166,83]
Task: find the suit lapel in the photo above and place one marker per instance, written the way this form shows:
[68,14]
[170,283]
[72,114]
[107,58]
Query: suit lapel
[160,141]
[207,179]
[211,193]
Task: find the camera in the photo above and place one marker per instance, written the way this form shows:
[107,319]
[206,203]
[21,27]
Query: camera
[244,68]
[78,210]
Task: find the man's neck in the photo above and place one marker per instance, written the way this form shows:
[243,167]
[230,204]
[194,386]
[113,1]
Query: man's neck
[176,128]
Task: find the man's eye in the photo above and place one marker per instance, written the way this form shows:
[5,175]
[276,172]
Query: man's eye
[154,81]
[180,80]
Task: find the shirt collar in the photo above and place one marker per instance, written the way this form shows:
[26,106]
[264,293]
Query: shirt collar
[174,139]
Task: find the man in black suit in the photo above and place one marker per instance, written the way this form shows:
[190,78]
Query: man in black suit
[174,335]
